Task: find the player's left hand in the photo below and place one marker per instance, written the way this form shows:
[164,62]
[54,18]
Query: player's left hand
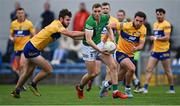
[134,49]
[152,38]
[105,52]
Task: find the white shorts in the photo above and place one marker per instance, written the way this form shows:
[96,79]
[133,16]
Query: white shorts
[89,53]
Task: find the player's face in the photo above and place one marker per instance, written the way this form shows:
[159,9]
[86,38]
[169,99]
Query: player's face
[20,14]
[105,9]
[66,21]
[160,16]
[96,13]
[138,21]
[120,16]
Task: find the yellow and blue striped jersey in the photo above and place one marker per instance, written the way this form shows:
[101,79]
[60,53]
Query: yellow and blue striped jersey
[104,36]
[47,35]
[159,31]
[21,31]
[130,37]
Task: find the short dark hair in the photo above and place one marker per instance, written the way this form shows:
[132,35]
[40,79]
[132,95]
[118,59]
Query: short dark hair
[121,10]
[65,12]
[161,10]
[19,9]
[140,14]
[105,4]
[96,5]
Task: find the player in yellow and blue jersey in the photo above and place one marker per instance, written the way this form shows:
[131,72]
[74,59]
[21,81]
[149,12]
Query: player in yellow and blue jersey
[132,38]
[31,54]
[21,30]
[160,50]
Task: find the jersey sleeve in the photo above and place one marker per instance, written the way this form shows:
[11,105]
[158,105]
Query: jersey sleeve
[32,30]
[167,28]
[60,28]
[11,29]
[89,24]
[143,34]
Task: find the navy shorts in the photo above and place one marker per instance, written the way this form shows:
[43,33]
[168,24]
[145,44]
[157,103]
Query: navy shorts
[30,51]
[161,55]
[18,53]
[120,56]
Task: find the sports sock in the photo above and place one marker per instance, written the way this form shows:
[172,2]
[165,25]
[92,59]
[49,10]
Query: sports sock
[107,83]
[18,90]
[33,84]
[115,87]
[136,82]
[145,86]
[128,86]
[171,87]
[81,86]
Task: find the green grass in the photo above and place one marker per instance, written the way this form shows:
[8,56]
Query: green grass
[66,95]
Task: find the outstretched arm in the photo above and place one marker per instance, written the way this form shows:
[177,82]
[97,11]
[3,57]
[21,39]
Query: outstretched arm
[72,34]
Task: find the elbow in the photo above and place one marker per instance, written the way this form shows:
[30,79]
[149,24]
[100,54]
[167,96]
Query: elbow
[141,47]
[167,38]
[88,42]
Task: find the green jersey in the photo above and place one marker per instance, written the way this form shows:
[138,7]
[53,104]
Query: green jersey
[97,28]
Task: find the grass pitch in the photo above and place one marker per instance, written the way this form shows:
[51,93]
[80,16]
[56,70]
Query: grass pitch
[66,95]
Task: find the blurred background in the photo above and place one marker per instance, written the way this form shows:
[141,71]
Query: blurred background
[64,54]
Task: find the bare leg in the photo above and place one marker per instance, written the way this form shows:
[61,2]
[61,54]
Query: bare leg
[27,68]
[110,62]
[92,72]
[167,68]
[130,70]
[46,68]
[149,69]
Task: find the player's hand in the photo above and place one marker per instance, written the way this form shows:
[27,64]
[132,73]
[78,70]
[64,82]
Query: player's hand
[12,39]
[113,25]
[153,38]
[134,49]
[104,52]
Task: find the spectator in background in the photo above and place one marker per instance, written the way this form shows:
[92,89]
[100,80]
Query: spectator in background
[13,14]
[47,16]
[74,54]
[80,17]
[0,58]
[62,50]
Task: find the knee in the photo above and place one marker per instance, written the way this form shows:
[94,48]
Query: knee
[49,70]
[168,71]
[21,66]
[149,70]
[93,74]
[132,69]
